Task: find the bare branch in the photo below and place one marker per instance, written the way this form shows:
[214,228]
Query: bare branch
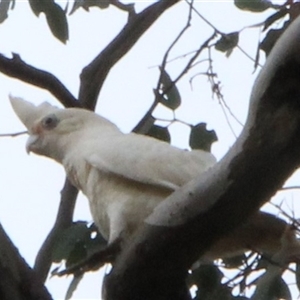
[13,134]
[94,75]
[285,188]
[18,281]
[64,219]
[15,67]
[147,121]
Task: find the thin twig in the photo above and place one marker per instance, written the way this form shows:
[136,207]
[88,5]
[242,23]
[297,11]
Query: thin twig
[93,75]
[195,56]
[13,134]
[248,55]
[295,187]
[147,121]
[181,33]
[216,90]
[206,21]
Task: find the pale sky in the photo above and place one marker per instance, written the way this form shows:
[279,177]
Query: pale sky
[30,185]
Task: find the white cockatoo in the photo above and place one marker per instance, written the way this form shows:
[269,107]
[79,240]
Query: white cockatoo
[124,176]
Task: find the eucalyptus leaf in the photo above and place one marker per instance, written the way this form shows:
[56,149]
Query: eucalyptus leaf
[37,6]
[273,18]
[271,38]
[86,4]
[227,42]
[73,286]
[171,97]
[73,238]
[55,16]
[160,133]
[201,138]
[57,22]
[4,8]
[253,5]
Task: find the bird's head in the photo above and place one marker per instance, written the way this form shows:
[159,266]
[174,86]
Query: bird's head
[52,131]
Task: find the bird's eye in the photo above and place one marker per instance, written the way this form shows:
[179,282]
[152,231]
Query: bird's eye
[50,122]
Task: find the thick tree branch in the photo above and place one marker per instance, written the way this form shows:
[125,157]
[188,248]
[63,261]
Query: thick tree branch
[63,220]
[155,264]
[94,75]
[17,280]
[15,67]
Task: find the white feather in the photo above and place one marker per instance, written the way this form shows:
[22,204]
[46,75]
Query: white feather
[124,176]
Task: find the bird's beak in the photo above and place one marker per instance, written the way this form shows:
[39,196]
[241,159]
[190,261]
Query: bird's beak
[29,114]
[31,141]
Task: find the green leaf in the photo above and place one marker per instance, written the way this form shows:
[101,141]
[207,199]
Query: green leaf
[227,42]
[77,240]
[37,6]
[201,138]
[160,133]
[77,254]
[273,18]
[55,16]
[4,7]
[253,5]
[67,240]
[271,38]
[57,22]
[73,286]
[171,97]
[235,261]
[86,4]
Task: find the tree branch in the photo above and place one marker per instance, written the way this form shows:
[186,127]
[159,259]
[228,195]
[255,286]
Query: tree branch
[17,279]
[94,75]
[147,121]
[191,220]
[126,7]
[63,220]
[15,67]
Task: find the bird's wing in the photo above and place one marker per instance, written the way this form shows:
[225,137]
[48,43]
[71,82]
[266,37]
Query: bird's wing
[147,160]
